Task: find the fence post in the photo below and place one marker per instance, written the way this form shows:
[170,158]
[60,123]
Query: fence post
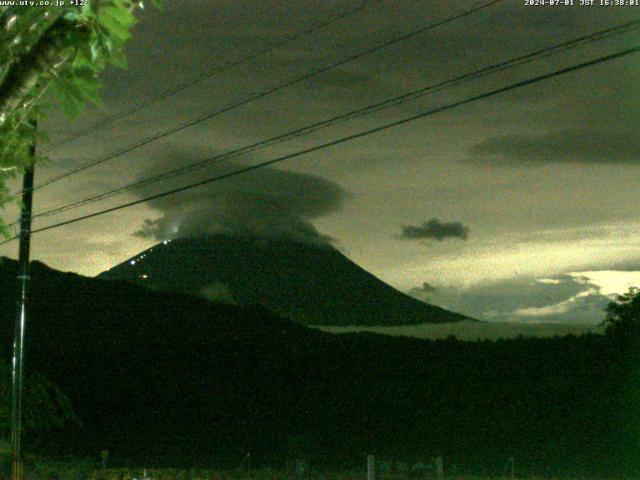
[439,468]
[371,467]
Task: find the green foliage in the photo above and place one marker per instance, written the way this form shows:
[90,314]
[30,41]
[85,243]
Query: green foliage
[77,470]
[623,315]
[81,471]
[61,49]
[45,406]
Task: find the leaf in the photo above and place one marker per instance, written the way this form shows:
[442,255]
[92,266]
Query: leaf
[90,9]
[117,21]
[87,83]
[95,55]
[72,16]
[118,59]
[69,103]
[83,58]
[106,43]
[4,230]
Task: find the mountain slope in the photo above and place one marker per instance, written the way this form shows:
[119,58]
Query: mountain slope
[308,284]
[142,365]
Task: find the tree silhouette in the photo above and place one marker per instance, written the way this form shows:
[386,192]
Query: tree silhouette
[47,409]
[46,406]
[623,315]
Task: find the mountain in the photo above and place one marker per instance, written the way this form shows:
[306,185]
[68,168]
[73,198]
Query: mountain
[168,379]
[312,285]
[138,365]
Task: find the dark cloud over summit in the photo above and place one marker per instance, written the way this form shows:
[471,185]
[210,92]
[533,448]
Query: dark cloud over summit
[271,204]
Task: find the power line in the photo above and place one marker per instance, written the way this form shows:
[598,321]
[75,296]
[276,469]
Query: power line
[491,69]
[213,72]
[266,92]
[348,138]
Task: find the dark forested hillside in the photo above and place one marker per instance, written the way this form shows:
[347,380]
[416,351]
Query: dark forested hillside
[168,379]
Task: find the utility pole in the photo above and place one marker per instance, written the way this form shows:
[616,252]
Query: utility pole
[17,472]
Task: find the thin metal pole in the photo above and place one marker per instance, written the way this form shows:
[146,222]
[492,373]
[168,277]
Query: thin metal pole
[371,467]
[17,472]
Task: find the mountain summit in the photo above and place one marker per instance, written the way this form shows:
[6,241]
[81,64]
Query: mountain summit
[310,284]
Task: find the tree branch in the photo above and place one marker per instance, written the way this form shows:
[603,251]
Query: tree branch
[47,56]
[27,39]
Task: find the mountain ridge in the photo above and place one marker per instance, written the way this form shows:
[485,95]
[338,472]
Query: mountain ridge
[167,379]
[309,284]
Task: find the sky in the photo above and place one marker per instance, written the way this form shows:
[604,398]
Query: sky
[521,207]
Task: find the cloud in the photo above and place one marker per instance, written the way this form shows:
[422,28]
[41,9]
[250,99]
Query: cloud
[564,146]
[560,299]
[528,254]
[342,81]
[560,308]
[427,288]
[549,281]
[266,203]
[601,287]
[436,230]
[609,282]
[424,292]
[575,297]
[218,292]
[471,331]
